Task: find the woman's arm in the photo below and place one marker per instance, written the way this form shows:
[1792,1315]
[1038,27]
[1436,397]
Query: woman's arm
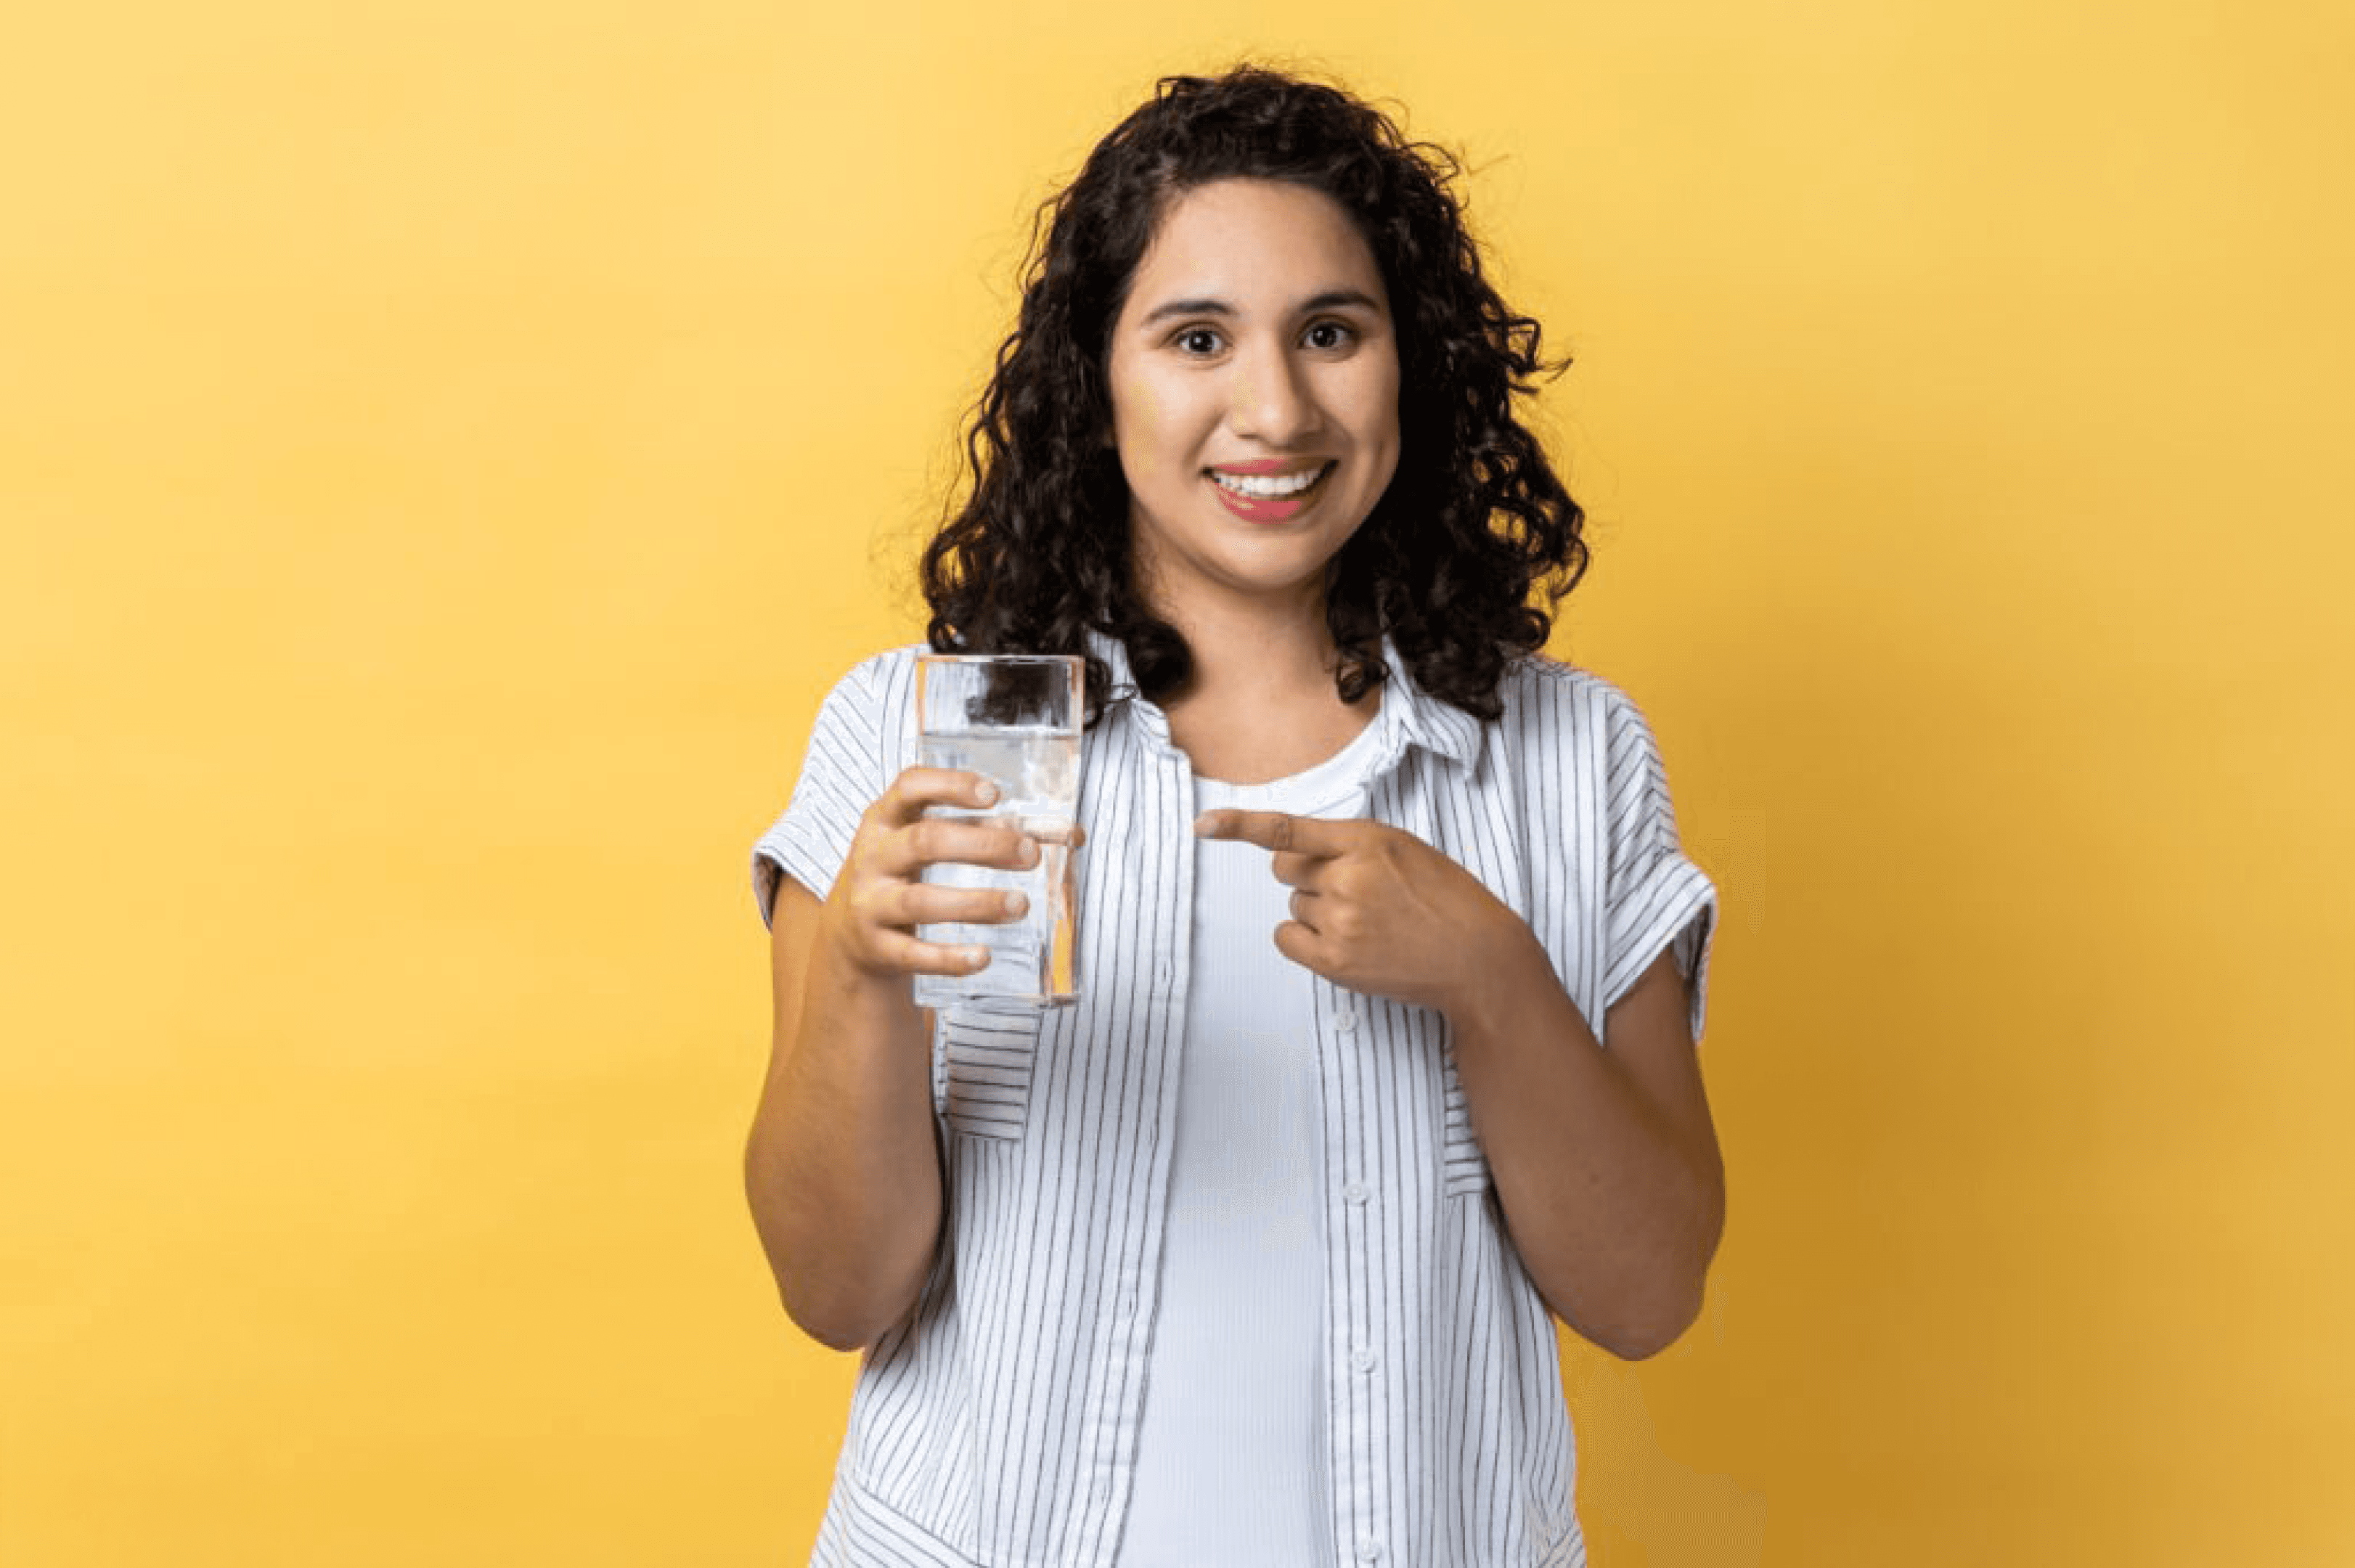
[1605,1162]
[842,1169]
[843,1164]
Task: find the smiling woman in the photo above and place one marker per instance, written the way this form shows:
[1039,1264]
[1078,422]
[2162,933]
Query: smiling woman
[1254,1257]
[1254,377]
[1473,522]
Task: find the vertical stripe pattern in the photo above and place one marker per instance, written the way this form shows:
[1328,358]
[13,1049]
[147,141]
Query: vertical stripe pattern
[998,1425]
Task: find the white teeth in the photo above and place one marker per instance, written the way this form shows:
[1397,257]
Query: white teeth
[1268,486]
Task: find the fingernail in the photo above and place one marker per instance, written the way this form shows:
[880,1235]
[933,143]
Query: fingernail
[1015,903]
[974,957]
[986,795]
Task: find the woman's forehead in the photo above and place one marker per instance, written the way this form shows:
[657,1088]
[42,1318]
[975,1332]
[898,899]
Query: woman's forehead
[1254,245]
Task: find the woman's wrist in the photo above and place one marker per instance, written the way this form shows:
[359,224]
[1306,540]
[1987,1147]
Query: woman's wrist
[1510,978]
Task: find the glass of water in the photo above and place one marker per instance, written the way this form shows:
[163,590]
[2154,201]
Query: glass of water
[1015,720]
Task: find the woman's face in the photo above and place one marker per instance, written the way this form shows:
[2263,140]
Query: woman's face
[1255,395]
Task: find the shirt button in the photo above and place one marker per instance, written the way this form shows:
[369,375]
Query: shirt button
[1365,1360]
[1368,1548]
[1356,1192]
[1345,1016]
[1162,973]
[1128,1307]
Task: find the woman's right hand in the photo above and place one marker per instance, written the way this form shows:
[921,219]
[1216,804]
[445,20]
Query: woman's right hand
[880,898]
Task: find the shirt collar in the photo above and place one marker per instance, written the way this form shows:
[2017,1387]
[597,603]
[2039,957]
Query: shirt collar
[1412,716]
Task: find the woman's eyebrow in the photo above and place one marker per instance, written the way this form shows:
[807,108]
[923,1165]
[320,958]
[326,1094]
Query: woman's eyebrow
[1331,299]
[1187,308]
[1336,299]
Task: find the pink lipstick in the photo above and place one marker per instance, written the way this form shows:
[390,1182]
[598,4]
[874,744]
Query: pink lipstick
[1276,508]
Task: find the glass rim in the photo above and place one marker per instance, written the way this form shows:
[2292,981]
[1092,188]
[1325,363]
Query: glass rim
[1000,658]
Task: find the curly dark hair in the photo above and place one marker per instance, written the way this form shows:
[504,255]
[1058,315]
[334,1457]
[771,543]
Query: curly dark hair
[1474,520]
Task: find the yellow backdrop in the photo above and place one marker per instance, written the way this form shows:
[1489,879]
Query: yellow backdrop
[446,450]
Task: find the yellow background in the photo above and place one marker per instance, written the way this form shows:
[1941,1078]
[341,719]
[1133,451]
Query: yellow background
[446,450]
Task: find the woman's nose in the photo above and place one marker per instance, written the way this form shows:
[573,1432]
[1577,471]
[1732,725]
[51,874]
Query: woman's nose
[1273,401]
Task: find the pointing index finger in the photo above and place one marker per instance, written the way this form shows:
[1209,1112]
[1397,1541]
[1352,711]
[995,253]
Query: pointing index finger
[1274,830]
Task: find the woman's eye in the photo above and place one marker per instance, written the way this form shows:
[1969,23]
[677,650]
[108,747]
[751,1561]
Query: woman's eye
[1197,340]
[1330,335]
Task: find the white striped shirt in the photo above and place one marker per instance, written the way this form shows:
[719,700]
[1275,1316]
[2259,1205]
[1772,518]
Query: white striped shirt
[997,1424]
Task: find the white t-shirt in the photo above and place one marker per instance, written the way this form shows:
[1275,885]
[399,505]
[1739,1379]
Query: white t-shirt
[1231,1463]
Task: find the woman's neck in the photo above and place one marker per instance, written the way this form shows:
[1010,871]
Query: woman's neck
[1262,702]
[1255,652]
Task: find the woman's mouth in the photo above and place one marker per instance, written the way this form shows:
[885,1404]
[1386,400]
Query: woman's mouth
[1270,497]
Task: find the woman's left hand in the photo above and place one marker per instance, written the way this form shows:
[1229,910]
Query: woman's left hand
[1376,909]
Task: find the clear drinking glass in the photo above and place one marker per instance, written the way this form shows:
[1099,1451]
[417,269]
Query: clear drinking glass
[1013,718]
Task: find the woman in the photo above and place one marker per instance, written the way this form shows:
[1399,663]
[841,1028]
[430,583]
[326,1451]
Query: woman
[1250,1258]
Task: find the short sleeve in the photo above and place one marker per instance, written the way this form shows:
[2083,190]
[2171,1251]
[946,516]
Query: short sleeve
[842,772]
[1655,897]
